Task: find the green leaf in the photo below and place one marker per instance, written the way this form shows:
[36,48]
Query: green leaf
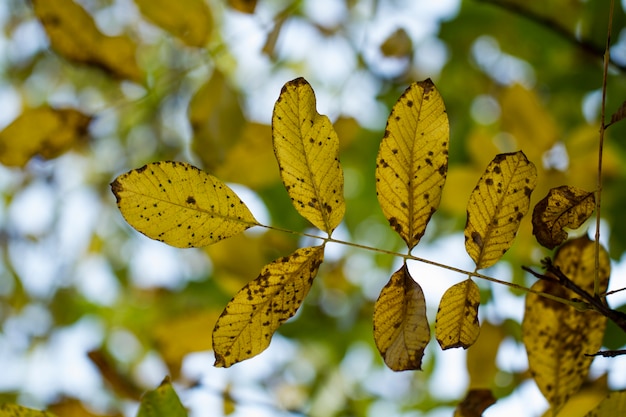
[250,319]
[161,402]
[176,203]
[14,410]
[307,150]
[412,161]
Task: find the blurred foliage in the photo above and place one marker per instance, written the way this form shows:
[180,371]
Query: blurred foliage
[155,84]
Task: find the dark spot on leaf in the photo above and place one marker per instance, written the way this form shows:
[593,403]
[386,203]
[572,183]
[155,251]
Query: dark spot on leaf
[489,181]
[191,200]
[497,169]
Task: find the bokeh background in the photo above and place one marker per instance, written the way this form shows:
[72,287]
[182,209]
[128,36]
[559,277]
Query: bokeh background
[92,313]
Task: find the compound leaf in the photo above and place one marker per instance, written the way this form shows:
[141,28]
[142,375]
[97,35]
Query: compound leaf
[74,35]
[496,206]
[14,410]
[161,402]
[307,150]
[401,329]
[412,160]
[457,318]
[248,322]
[177,203]
[613,405]
[188,20]
[556,335]
[563,207]
[42,131]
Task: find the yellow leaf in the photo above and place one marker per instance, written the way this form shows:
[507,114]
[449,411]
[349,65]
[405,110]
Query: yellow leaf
[217,121]
[250,319]
[556,335]
[401,329]
[14,410]
[457,318]
[613,405]
[412,161]
[563,207]
[481,357]
[244,6]
[586,399]
[496,207]
[397,45]
[188,20]
[74,408]
[42,131]
[475,402]
[253,153]
[307,150]
[176,203]
[74,35]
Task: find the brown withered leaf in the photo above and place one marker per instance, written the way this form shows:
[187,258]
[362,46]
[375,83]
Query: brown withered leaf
[475,403]
[563,207]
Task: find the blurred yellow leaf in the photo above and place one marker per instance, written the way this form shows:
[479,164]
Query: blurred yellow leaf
[496,207]
[397,45]
[176,203]
[557,336]
[586,399]
[161,402]
[244,6]
[475,402]
[217,121]
[461,179]
[253,153]
[457,318]
[613,405]
[412,161]
[563,207]
[401,329]
[14,410]
[188,20]
[250,319]
[481,356]
[307,150]
[74,35]
[74,408]
[177,337]
[42,131]
[228,404]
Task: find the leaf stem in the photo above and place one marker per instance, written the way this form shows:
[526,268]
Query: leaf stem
[607,57]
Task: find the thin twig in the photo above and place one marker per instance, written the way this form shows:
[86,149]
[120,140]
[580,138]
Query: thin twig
[607,57]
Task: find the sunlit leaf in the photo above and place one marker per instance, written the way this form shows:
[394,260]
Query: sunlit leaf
[250,319]
[397,45]
[613,405]
[161,402]
[188,20]
[619,114]
[481,356]
[14,410]
[556,335]
[401,329]
[457,318]
[42,131]
[176,203]
[412,161]
[74,35]
[496,207]
[475,403]
[217,121]
[307,150]
[244,6]
[563,207]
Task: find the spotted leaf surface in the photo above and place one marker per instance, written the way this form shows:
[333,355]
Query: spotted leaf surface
[412,161]
[556,335]
[188,20]
[613,405]
[161,402]
[307,150]
[14,410]
[401,329]
[248,322]
[457,318]
[41,131]
[178,204]
[74,35]
[563,207]
[497,205]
